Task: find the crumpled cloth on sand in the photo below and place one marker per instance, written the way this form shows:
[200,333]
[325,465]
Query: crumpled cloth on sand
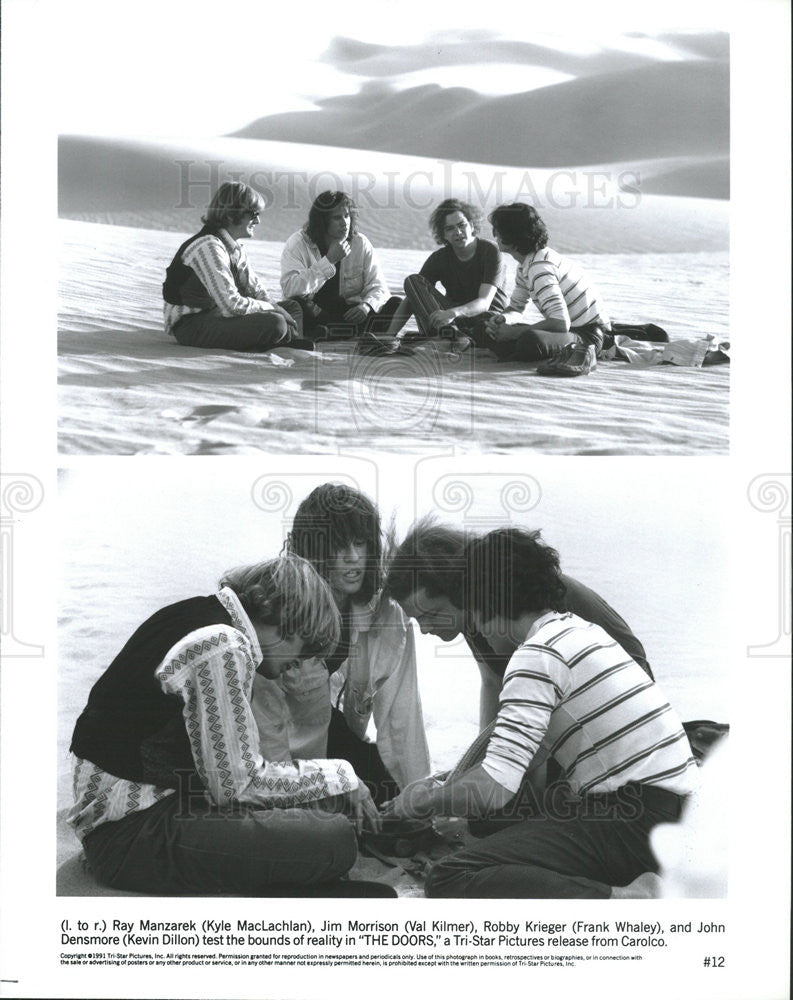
[684,353]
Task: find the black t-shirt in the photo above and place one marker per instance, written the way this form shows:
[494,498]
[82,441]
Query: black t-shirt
[461,279]
[327,297]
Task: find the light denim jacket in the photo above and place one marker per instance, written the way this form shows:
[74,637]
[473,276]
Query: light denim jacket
[304,271]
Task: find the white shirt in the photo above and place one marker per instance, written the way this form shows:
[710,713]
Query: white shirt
[304,270]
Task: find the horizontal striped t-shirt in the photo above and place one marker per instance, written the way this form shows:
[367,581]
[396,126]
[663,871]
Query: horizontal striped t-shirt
[571,686]
[560,290]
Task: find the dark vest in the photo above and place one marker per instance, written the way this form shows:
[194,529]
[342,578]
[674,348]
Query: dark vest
[129,727]
[182,286]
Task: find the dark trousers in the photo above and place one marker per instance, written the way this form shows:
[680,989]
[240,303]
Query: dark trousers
[365,758]
[539,345]
[175,849]
[577,849]
[538,792]
[331,315]
[425,299]
[260,331]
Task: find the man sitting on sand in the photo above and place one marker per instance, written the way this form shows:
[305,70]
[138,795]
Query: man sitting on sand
[171,793]
[333,271]
[324,707]
[470,269]
[212,295]
[426,576]
[625,757]
[570,335]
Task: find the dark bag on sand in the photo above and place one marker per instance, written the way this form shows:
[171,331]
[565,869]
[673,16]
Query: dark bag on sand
[703,735]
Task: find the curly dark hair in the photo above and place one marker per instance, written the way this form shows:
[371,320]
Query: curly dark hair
[520,226]
[329,519]
[432,558]
[324,205]
[447,207]
[510,571]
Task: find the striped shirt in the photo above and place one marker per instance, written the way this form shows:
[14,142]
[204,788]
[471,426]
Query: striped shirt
[573,688]
[215,260]
[559,289]
[211,671]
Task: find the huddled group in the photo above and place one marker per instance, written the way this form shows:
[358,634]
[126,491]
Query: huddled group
[333,286]
[227,748]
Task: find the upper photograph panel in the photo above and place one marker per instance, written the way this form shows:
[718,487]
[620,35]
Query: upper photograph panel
[383,237]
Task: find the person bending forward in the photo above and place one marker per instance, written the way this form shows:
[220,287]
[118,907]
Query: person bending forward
[626,761]
[171,795]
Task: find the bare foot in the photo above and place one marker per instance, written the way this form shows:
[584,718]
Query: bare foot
[647,886]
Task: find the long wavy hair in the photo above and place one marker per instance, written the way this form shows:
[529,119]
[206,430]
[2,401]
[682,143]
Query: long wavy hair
[432,558]
[511,571]
[447,207]
[329,519]
[318,215]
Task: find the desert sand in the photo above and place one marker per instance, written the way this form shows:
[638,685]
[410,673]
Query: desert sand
[139,535]
[631,177]
[127,389]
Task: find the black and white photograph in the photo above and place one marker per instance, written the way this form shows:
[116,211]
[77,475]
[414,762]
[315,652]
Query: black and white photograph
[485,237]
[395,502]
[412,692]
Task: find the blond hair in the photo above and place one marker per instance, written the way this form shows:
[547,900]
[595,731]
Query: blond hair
[287,592]
[232,201]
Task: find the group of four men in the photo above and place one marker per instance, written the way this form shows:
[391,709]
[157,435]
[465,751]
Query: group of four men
[582,753]
[333,285]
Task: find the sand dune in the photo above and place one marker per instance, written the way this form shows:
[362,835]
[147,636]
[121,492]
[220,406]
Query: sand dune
[633,114]
[477,47]
[699,177]
[126,389]
[165,184]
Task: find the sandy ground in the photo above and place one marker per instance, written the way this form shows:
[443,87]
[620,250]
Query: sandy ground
[126,389]
[139,535]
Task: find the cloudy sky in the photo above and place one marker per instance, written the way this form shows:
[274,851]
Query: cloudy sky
[173,68]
